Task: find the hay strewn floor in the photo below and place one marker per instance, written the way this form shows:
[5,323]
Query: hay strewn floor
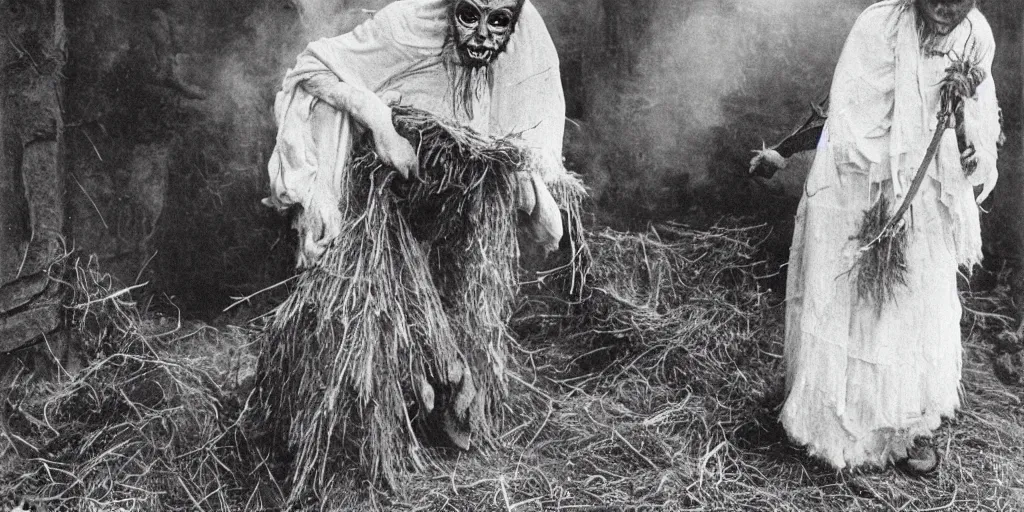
[659,391]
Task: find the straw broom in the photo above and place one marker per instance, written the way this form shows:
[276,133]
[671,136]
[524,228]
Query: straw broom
[403,324]
[883,236]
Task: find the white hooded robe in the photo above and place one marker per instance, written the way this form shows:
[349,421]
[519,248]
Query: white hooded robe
[862,384]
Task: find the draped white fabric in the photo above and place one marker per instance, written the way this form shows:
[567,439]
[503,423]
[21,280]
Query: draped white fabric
[400,49]
[862,384]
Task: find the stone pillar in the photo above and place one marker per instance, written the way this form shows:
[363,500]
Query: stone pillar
[32,57]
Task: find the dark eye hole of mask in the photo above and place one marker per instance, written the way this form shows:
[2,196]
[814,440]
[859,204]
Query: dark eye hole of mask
[467,14]
[500,19]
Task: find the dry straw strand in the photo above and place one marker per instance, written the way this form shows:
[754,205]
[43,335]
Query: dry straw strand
[418,288]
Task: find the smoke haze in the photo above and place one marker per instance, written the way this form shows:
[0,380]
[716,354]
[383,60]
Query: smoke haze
[665,100]
[677,93]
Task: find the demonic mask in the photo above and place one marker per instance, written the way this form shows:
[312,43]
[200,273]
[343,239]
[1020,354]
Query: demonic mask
[481,29]
[940,17]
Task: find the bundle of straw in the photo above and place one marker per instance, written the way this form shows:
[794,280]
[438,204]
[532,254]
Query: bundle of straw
[670,304]
[883,236]
[150,422]
[403,323]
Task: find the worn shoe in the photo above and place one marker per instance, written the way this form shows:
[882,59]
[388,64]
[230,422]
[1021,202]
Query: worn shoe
[458,433]
[922,459]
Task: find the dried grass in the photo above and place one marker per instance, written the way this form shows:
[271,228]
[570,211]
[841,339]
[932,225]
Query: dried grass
[150,423]
[882,265]
[659,390]
[402,326]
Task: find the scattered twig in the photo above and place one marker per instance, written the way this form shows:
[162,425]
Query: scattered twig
[112,295]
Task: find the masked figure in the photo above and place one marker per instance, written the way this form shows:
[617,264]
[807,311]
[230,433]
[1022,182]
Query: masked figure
[488,64]
[868,382]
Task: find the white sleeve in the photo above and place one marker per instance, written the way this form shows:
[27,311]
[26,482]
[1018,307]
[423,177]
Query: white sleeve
[981,113]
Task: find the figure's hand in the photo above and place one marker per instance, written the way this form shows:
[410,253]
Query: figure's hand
[526,198]
[766,162]
[396,151]
[392,148]
[969,160]
[545,225]
[987,186]
[319,225]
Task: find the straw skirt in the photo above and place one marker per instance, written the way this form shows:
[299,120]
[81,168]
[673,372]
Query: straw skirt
[862,383]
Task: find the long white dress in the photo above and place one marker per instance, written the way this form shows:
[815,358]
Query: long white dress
[862,384]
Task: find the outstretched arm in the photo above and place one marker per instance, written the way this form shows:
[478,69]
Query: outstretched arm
[804,140]
[369,111]
[769,160]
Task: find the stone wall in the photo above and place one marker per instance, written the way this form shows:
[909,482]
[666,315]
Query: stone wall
[32,59]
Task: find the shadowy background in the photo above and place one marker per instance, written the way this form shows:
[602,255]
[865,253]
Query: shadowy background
[169,123]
